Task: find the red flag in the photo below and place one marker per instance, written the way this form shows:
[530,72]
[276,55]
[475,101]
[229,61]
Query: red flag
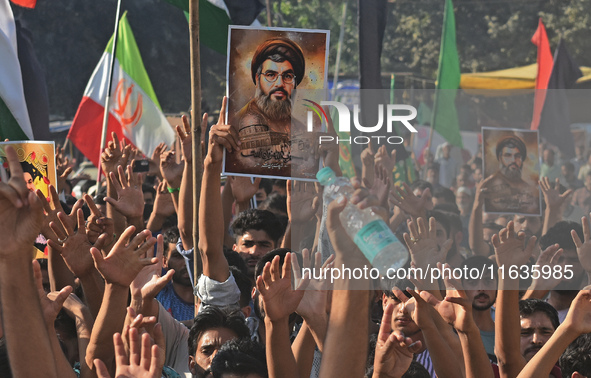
[25,3]
[545,63]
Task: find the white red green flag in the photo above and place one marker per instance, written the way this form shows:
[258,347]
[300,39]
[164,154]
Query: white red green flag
[134,111]
[15,123]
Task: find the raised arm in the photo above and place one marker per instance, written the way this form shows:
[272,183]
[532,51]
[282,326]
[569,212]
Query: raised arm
[554,201]
[118,268]
[185,206]
[279,300]
[509,250]
[475,230]
[211,241]
[20,223]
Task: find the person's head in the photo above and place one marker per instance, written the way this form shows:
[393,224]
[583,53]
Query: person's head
[31,174]
[548,156]
[245,286]
[280,186]
[446,150]
[463,179]
[418,187]
[560,234]
[401,318]
[275,203]
[580,151]
[265,188]
[481,291]
[443,195]
[432,173]
[477,174]
[257,232]
[511,153]
[277,67]
[531,225]
[568,170]
[575,362]
[240,358]
[464,199]
[539,320]
[211,329]
[174,260]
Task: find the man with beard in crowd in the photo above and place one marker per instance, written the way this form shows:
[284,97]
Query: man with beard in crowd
[508,192]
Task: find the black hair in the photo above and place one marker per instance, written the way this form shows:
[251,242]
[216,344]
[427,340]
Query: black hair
[527,307]
[442,219]
[560,234]
[445,193]
[275,201]
[147,188]
[212,317]
[480,263]
[400,283]
[421,184]
[254,219]
[268,257]
[449,208]
[87,185]
[493,226]
[576,357]
[569,166]
[171,235]
[267,185]
[31,169]
[416,370]
[280,183]
[234,260]
[240,357]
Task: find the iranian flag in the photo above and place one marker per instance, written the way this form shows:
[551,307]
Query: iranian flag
[134,111]
[14,117]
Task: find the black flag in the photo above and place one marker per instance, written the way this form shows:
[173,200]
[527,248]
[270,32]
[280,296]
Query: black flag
[555,119]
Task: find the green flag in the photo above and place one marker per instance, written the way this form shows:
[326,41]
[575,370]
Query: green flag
[213,22]
[445,116]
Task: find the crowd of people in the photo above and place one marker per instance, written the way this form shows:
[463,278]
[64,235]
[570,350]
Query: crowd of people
[117,294]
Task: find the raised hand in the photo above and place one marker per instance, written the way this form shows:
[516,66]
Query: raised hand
[154,160]
[302,201]
[130,200]
[549,257]
[97,224]
[242,188]
[62,168]
[148,282]
[367,166]
[551,193]
[422,243]
[51,213]
[145,360]
[126,259]
[583,248]
[578,317]
[404,198]
[510,248]
[170,170]
[51,303]
[22,211]
[222,136]
[394,352]
[456,308]
[388,161]
[163,204]
[113,155]
[381,184]
[274,284]
[75,249]
[313,303]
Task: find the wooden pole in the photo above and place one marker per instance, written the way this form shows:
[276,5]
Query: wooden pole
[269,18]
[195,127]
[335,81]
[108,98]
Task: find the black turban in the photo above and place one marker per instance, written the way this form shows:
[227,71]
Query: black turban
[512,142]
[287,48]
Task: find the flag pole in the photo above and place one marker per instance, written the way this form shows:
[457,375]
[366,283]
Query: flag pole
[195,126]
[339,49]
[108,97]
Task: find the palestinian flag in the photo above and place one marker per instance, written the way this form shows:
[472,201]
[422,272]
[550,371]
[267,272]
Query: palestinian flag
[134,111]
[216,15]
[15,123]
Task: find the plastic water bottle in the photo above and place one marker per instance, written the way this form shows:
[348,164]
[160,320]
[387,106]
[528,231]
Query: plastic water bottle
[367,229]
